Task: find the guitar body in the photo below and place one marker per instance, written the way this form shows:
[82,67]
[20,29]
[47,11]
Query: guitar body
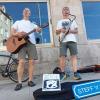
[14,44]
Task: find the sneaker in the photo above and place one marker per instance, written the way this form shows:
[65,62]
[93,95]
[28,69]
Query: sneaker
[18,87]
[62,76]
[76,76]
[31,84]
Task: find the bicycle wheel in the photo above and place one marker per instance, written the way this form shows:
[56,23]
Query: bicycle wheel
[13,71]
[3,62]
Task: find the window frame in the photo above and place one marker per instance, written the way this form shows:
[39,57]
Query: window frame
[89,40]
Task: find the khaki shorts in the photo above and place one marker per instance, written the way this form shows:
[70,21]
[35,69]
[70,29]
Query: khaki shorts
[72,46]
[29,50]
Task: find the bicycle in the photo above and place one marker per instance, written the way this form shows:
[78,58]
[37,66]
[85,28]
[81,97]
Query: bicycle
[8,67]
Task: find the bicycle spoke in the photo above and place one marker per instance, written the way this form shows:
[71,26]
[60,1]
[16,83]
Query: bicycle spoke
[13,72]
[9,64]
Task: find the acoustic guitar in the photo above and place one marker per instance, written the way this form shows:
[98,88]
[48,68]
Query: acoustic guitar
[14,43]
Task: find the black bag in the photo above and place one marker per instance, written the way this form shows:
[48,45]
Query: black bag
[66,92]
[57,70]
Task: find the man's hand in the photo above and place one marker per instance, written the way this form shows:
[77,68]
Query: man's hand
[63,30]
[38,29]
[60,31]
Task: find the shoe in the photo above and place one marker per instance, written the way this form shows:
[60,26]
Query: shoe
[62,76]
[18,87]
[31,84]
[77,76]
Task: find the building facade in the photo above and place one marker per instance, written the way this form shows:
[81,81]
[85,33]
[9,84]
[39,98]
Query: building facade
[5,26]
[88,43]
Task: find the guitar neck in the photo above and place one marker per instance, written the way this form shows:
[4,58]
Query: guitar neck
[34,30]
[31,32]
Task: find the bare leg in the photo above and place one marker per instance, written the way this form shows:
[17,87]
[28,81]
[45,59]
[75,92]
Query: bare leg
[62,66]
[62,63]
[31,69]
[74,62]
[20,70]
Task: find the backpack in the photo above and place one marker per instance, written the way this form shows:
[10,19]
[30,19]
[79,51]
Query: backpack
[57,70]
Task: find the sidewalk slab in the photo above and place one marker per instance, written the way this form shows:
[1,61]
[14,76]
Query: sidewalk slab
[7,88]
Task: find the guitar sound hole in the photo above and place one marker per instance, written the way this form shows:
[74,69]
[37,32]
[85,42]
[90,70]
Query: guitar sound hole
[19,39]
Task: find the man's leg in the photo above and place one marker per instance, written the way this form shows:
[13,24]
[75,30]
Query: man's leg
[73,50]
[74,65]
[74,62]
[62,60]
[31,71]
[32,55]
[20,70]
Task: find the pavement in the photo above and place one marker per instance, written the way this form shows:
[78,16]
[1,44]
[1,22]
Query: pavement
[26,93]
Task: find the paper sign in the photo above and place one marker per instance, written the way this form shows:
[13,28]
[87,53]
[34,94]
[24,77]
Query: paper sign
[51,82]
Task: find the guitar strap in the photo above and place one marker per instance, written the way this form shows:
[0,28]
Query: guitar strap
[27,39]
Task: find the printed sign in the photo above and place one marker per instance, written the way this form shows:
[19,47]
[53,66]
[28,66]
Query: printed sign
[51,82]
[86,89]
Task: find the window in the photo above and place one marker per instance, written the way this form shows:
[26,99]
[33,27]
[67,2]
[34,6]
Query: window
[39,15]
[91,11]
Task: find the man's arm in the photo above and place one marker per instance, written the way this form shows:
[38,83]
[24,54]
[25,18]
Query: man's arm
[18,34]
[38,29]
[60,31]
[13,32]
